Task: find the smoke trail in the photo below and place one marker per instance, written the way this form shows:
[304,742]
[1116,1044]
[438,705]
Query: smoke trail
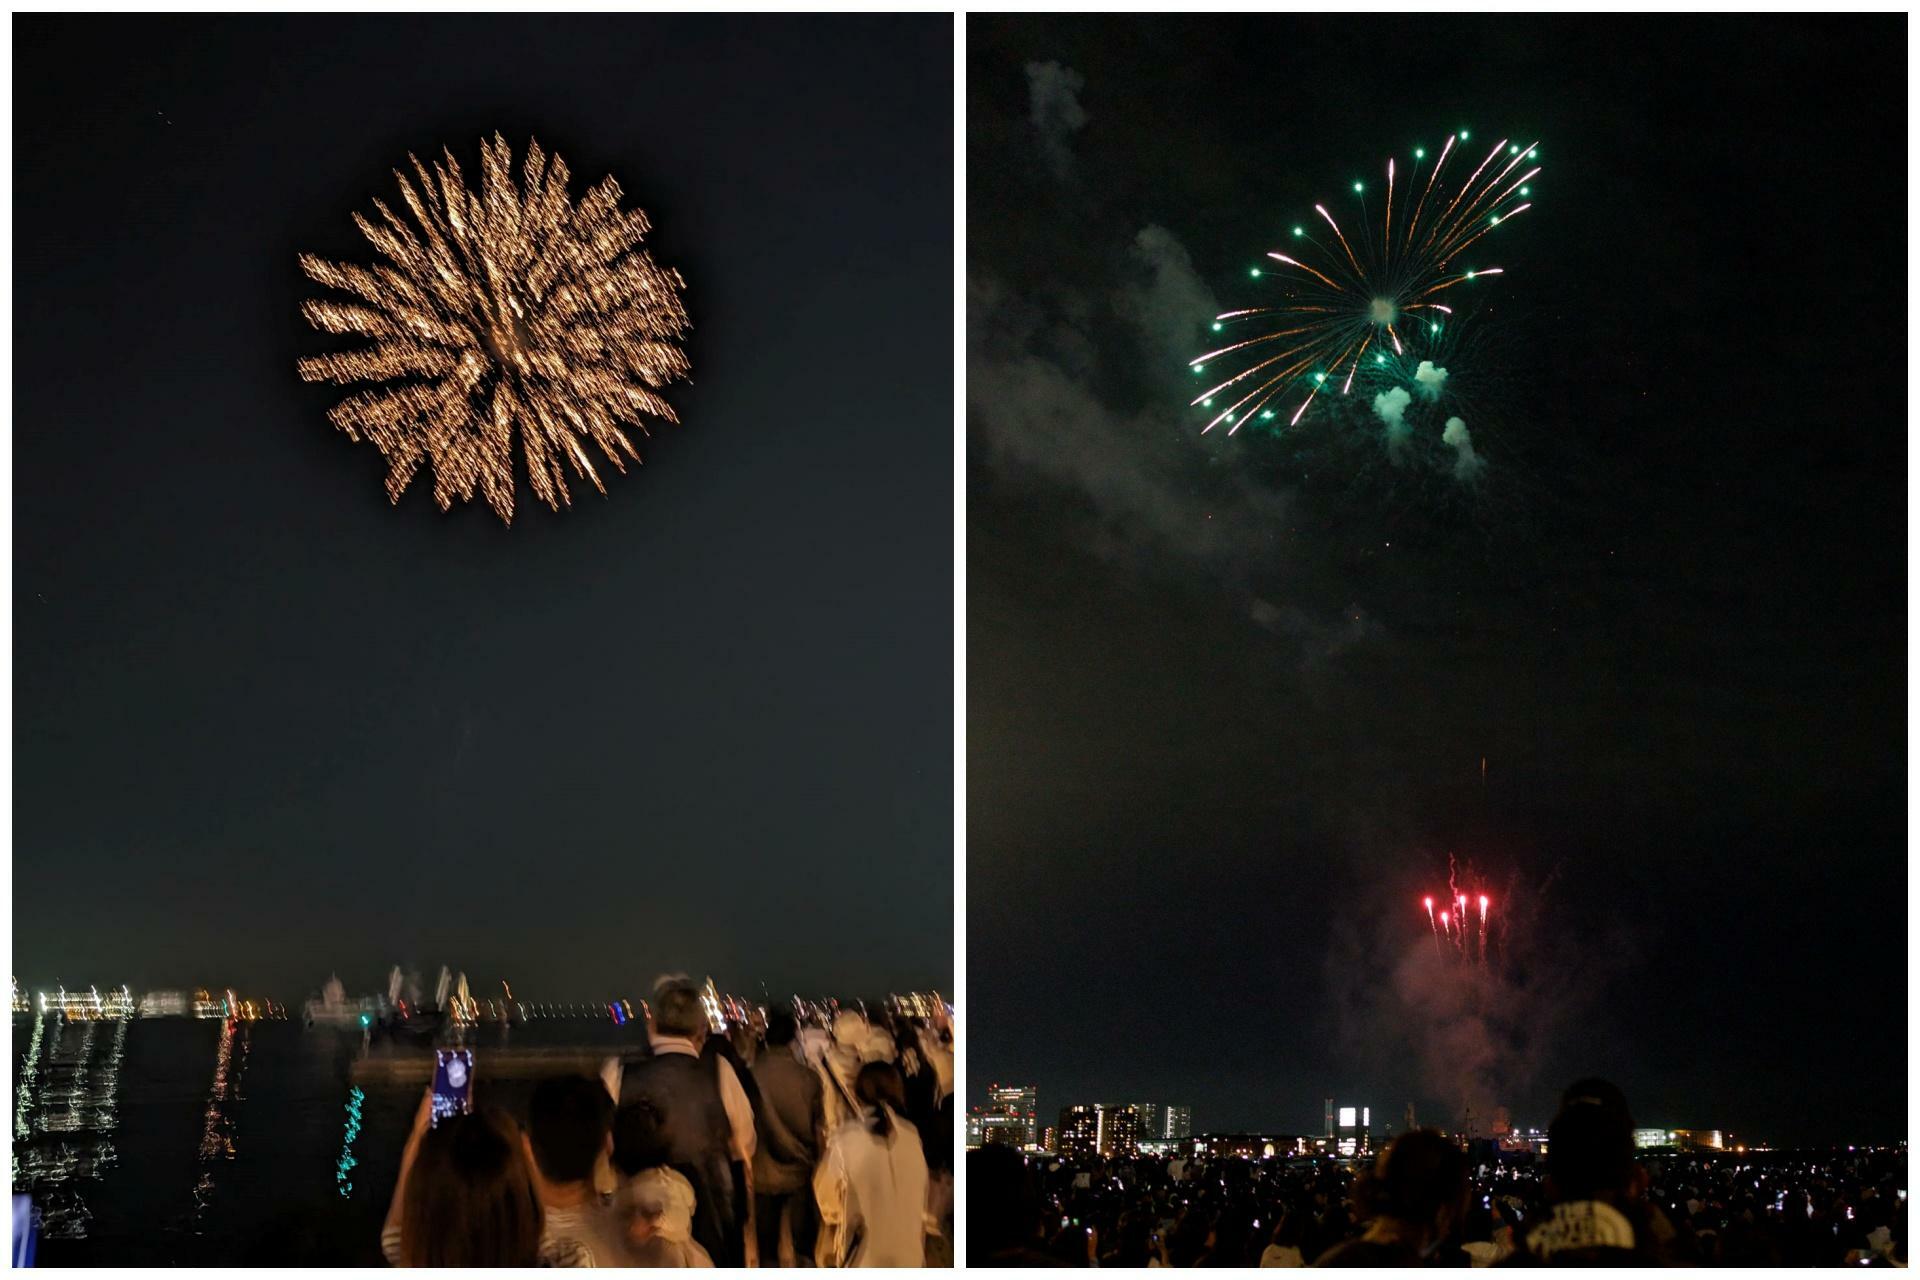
[1391,407]
[1431,379]
[1466,463]
[1054,91]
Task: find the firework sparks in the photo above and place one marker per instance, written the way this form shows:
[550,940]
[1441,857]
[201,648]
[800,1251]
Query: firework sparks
[1336,306]
[509,313]
[1455,924]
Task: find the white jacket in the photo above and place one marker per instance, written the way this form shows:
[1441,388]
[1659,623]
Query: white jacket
[874,1191]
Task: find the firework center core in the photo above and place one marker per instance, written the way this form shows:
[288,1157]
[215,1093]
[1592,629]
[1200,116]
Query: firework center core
[505,341]
[1381,311]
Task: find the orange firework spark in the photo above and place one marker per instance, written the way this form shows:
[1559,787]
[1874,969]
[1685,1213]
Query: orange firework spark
[1335,310]
[509,313]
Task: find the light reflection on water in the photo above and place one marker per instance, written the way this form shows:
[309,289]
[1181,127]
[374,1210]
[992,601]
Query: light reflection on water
[216,1135]
[66,1113]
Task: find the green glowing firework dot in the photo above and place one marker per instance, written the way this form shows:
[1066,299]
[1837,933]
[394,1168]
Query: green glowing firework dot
[1341,297]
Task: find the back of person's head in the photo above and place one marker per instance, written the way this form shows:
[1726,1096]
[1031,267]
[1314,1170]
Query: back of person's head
[678,1011]
[567,1125]
[880,1088]
[640,1137]
[470,1198]
[1590,1151]
[780,1027]
[1420,1179]
[1005,1204]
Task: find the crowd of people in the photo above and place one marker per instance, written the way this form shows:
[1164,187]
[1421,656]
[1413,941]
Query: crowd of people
[1592,1200]
[776,1142]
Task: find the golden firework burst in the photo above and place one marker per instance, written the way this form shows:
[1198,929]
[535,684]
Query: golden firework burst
[510,312]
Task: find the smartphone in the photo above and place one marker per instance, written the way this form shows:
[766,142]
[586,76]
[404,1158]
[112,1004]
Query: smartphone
[452,1083]
[26,1234]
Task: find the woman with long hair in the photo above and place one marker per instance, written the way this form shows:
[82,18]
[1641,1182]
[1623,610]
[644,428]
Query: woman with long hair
[872,1182]
[465,1197]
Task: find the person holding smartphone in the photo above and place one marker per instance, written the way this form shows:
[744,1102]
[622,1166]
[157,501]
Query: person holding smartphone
[465,1195]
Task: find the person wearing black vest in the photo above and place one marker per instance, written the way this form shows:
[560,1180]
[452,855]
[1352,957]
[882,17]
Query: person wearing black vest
[697,1100]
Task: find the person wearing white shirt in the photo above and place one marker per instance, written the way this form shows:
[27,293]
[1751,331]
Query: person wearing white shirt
[872,1183]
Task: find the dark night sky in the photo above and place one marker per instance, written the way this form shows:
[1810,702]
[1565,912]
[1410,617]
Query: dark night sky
[268,726]
[1227,704]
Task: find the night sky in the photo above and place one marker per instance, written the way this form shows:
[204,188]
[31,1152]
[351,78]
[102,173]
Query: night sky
[1228,700]
[268,726]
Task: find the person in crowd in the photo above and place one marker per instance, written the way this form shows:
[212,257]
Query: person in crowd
[1132,1243]
[1598,1215]
[720,1052]
[871,1184]
[791,1135]
[1410,1202]
[654,1202]
[569,1132]
[1005,1211]
[465,1195]
[707,1117]
[1283,1248]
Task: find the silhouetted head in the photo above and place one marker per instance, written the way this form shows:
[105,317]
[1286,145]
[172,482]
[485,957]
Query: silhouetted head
[1420,1180]
[470,1198]
[1590,1152]
[568,1124]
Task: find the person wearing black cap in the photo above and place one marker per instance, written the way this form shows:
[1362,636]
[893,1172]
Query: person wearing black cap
[1596,1188]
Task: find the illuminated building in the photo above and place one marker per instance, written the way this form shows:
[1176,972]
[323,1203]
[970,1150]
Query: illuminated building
[975,1134]
[1683,1139]
[87,1006]
[1353,1134]
[1049,1139]
[1098,1129]
[1162,1122]
[1250,1146]
[1078,1135]
[919,1004]
[1011,1116]
[20,1002]
[164,1004]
